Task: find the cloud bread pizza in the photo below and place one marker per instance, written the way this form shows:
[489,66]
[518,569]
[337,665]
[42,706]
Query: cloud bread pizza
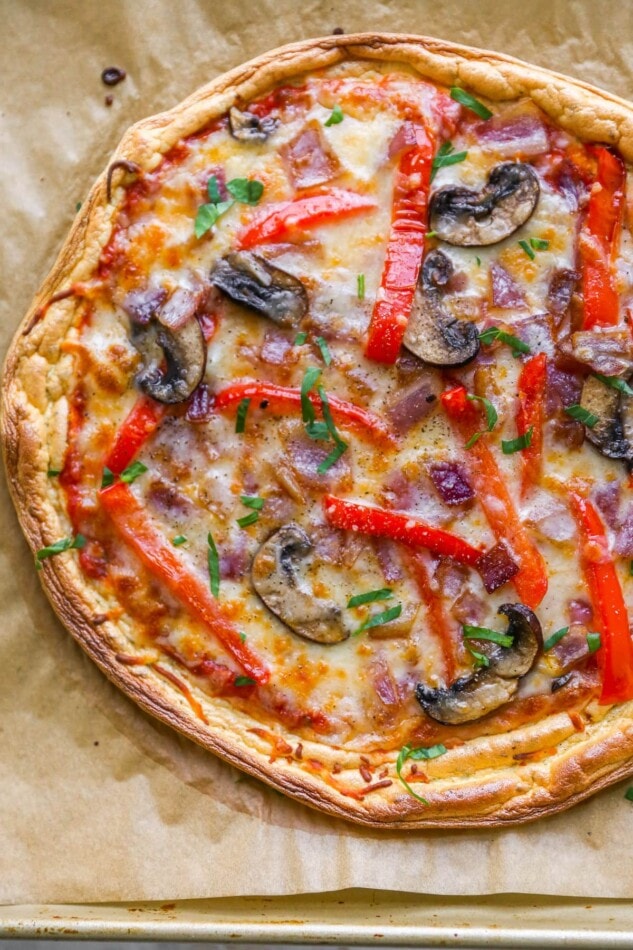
[321,429]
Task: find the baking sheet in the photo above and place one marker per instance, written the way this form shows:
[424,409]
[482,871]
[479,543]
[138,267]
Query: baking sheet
[97,801]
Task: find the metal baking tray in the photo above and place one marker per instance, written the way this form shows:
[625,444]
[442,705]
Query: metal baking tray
[353,917]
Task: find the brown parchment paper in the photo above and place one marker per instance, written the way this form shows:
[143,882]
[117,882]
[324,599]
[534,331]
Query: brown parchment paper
[97,801]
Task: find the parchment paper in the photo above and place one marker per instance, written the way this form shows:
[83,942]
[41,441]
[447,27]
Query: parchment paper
[97,801]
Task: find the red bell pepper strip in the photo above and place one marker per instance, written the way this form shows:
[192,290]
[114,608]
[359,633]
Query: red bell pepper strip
[615,654]
[131,521]
[440,622]
[532,382]
[399,526]
[285,398]
[494,498]
[599,239]
[136,428]
[277,220]
[404,251]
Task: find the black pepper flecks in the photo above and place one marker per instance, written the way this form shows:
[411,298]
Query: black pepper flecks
[113,75]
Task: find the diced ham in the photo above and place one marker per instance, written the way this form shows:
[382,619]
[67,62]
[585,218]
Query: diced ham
[398,491]
[560,290]
[304,456]
[469,608]
[275,348]
[572,647]
[607,500]
[550,517]
[519,131]
[413,406]
[234,558]
[536,331]
[389,559]
[168,500]
[451,482]
[580,611]
[383,681]
[505,292]
[408,136]
[200,405]
[624,534]
[607,350]
[142,305]
[449,578]
[309,159]
[328,543]
[496,567]
[181,307]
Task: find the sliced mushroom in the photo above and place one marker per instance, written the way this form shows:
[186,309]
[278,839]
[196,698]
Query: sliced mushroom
[275,577]
[474,696]
[248,127]
[476,218]
[611,409]
[182,350]
[250,280]
[434,335]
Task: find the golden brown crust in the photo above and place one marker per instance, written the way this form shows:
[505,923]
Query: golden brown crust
[477,784]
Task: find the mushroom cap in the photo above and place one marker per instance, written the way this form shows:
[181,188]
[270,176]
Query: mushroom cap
[474,696]
[434,335]
[477,218]
[275,578]
[250,280]
[248,127]
[183,349]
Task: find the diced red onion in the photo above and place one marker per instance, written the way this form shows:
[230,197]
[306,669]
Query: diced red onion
[496,567]
[624,535]
[451,482]
[309,159]
[398,491]
[573,647]
[304,456]
[607,499]
[234,558]
[275,348]
[608,350]
[518,131]
[167,499]
[407,136]
[383,681]
[580,611]
[180,307]
[505,292]
[469,608]
[561,288]
[200,405]
[563,387]
[411,408]
[327,543]
[142,305]
[388,558]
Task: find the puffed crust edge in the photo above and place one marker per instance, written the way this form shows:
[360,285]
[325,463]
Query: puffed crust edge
[478,784]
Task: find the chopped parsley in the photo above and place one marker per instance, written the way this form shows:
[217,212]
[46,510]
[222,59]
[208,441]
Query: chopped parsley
[370,597]
[478,259]
[339,445]
[336,116]
[528,250]
[107,477]
[379,620]
[58,547]
[492,418]
[510,446]
[178,540]
[242,636]
[320,430]
[554,639]
[465,99]
[629,794]
[580,414]
[485,633]
[240,418]
[325,350]
[481,660]
[245,190]
[132,472]
[593,642]
[539,244]
[494,333]
[614,382]
[253,501]
[300,338]
[213,561]
[360,286]
[446,156]
[248,519]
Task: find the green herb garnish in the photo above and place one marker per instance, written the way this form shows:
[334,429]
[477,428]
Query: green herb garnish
[370,597]
[446,156]
[593,642]
[478,259]
[248,519]
[614,382]
[481,660]
[178,540]
[539,244]
[492,418]
[332,458]
[336,116]
[510,446]
[213,190]
[339,445]
[244,681]
[242,636]
[378,620]
[253,501]
[629,794]
[554,639]
[107,477]
[207,215]
[300,338]
[213,561]
[580,414]
[419,754]
[53,472]
[465,99]
[325,350]
[58,547]
[360,286]
[528,250]
[245,190]
[494,333]
[132,472]
[240,418]
[485,633]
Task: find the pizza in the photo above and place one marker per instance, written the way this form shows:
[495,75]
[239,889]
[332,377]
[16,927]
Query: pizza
[321,429]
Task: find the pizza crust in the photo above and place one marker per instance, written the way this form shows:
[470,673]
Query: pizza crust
[475,785]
